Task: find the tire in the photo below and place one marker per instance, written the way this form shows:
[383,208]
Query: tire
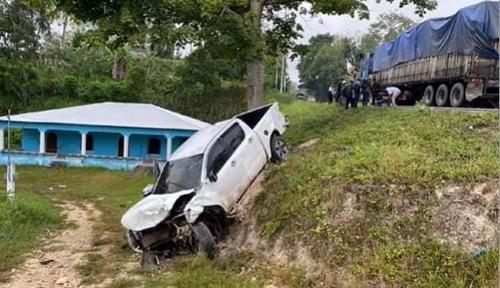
[428,96]
[204,239]
[442,95]
[279,148]
[133,242]
[457,95]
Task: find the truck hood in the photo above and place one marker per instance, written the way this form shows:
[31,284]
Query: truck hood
[151,210]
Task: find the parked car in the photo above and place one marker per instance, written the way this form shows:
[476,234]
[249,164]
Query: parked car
[187,208]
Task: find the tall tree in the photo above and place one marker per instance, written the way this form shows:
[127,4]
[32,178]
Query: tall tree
[387,27]
[239,22]
[323,62]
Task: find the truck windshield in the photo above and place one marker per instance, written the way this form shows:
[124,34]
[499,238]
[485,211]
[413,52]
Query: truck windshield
[181,174]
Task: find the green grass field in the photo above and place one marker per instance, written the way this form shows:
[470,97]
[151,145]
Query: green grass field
[376,154]
[22,224]
[379,155]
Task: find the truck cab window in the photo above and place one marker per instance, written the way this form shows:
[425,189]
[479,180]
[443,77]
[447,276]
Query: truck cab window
[224,147]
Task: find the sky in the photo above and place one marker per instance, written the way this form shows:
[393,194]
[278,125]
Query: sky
[347,26]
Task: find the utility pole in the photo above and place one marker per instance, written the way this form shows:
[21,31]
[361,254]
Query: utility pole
[282,82]
[276,83]
[11,185]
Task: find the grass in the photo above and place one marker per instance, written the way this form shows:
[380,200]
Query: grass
[23,223]
[113,193]
[379,156]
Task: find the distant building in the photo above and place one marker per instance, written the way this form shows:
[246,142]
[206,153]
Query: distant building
[116,136]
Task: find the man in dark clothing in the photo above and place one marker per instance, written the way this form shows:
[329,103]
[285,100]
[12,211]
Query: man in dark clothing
[347,93]
[330,95]
[356,93]
[338,95]
[365,92]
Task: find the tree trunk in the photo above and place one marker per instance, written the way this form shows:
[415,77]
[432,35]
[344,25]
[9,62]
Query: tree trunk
[255,68]
[120,69]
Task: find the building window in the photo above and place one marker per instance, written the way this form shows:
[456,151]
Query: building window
[120,146]
[154,146]
[51,143]
[89,143]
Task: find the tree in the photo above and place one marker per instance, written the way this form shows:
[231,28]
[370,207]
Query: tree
[20,28]
[323,62]
[202,22]
[387,28]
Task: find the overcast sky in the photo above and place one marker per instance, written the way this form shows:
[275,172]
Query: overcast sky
[347,26]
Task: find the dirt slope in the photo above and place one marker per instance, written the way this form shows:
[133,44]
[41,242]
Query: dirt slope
[55,263]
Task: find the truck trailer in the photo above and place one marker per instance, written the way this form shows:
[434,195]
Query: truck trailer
[445,61]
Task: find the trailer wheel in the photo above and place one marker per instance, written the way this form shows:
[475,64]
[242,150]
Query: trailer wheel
[428,96]
[457,95]
[442,95]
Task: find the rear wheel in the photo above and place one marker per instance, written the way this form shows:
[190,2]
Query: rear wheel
[279,148]
[442,95]
[204,239]
[428,96]
[457,95]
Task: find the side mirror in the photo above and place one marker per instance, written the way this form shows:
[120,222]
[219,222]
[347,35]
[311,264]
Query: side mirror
[156,170]
[148,190]
[212,176]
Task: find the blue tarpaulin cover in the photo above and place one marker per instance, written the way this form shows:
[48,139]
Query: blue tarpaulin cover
[472,30]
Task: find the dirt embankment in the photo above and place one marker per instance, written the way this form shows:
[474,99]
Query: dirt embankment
[55,263]
[244,236]
[466,216]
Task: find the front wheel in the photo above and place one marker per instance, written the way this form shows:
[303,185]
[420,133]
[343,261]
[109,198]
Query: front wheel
[205,240]
[279,149]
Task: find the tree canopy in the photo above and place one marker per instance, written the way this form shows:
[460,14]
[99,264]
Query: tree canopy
[232,28]
[387,27]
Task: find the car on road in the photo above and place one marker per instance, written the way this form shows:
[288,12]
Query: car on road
[188,206]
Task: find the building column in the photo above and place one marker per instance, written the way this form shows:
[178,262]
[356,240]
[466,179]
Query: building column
[169,146]
[42,141]
[125,145]
[2,147]
[83,149]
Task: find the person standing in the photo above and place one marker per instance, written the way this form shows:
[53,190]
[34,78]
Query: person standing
[330,95]
[338,95]
[365,92]
[356,93]
[347,93]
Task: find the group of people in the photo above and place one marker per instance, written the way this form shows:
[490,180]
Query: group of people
[349,92]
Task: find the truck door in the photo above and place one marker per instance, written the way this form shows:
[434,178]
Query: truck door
[225,168]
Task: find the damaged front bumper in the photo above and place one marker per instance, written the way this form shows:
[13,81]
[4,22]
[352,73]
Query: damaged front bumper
[171,237]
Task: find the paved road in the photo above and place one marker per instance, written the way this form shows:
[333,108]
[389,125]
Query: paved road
[450,109]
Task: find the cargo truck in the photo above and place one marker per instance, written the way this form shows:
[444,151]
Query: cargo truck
[443,62]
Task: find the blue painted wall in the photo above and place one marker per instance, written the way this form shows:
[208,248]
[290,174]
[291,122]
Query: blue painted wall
[31,140]
[106,144]
[68,142]
[138,146]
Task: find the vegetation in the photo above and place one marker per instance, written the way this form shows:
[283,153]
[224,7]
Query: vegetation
[230,30]
[379,158]
[23,224]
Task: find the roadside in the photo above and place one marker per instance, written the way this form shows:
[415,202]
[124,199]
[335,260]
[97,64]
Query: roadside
[365,198]
[363,201]
[56,262]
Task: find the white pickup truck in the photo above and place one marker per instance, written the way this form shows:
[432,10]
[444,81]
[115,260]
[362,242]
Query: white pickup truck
[202,181]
